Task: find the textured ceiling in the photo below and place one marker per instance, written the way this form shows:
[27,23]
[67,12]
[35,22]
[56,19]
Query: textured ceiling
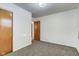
[50,8]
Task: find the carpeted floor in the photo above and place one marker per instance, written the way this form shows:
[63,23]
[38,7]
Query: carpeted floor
[39,48]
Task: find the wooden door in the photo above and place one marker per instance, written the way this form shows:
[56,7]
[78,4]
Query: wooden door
[37,30]
[5,32]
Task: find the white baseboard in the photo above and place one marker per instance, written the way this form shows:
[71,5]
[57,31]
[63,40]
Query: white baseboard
[77,49]
[29,43]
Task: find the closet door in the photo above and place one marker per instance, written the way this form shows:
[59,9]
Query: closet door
[37,30]
[5,32]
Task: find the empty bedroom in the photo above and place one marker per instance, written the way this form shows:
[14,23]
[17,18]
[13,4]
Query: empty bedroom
[39,29]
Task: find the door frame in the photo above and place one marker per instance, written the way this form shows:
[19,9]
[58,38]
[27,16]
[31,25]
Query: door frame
[12,35]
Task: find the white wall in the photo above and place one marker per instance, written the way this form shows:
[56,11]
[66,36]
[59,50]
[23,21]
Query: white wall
[78,27]
[21,26]
[60,28]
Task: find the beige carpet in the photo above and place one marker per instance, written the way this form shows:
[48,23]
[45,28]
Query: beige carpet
[39,48]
